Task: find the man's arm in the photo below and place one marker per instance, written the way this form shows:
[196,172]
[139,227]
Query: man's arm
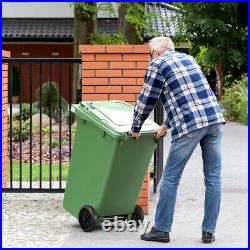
[148,97]
[167,123]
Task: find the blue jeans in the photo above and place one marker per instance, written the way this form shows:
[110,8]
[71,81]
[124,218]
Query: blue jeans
[181,149]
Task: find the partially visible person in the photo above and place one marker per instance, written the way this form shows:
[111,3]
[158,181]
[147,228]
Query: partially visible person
[195,118]
[214,82]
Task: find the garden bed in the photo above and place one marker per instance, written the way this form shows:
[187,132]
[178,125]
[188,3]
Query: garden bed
[45,156]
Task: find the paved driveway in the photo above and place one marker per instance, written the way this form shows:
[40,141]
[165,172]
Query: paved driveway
[39,220]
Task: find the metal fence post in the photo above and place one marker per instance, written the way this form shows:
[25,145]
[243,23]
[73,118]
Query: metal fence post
[158,154]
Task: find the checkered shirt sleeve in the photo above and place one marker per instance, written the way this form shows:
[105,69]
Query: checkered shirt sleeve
[153,84]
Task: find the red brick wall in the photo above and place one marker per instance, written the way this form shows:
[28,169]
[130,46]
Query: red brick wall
[115,72]
[4,118]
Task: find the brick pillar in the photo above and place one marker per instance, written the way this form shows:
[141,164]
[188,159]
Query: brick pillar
[115,72]
[4,118]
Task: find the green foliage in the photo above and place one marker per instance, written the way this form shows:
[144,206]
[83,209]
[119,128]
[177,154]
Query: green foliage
[235,101]
[135,15]
[65,142]
[16,130]
[103,38]
[140,19]
[203,60]
[88,9]
[220,27]
[52,101]
[55,144]
[26,112]
[106,7]
[46,130]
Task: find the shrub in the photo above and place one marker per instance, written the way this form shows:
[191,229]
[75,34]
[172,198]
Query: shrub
[235,101]
[26,112]
[16,130]
[103,38]
[65,142]
[54,103]
[46,130]
[55,144]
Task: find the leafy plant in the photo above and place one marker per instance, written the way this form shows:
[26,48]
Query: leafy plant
[87,9]
[106,8]
[55,144]
[103,38]
[16,130]
[46,130]
[203,60]
[235,101]
[65,142]
[135,15]
[25,112]
[140,19]
[221,28]
[52,101]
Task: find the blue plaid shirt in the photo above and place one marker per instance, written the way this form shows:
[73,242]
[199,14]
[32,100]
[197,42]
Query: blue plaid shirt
[187,98]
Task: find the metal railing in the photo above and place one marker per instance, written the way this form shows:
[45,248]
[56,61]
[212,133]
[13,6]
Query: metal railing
[158,154]
[66,87]
[56,66]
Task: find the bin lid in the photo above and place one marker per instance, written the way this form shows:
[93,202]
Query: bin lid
[118,115]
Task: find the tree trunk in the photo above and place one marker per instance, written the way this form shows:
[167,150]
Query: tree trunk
[83,27]
[219,69]
[126,28]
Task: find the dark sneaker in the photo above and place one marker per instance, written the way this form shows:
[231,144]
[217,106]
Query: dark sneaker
[207,237]
[156,235]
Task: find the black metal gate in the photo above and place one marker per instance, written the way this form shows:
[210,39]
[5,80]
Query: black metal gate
[28,172]
[158,154]
[53,78]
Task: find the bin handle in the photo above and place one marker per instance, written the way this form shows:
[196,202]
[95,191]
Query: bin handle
[154,138]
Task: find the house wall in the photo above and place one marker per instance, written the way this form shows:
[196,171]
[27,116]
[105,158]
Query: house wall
[115,72]
[37,9]
[5,54]
[41,51]
[47,9]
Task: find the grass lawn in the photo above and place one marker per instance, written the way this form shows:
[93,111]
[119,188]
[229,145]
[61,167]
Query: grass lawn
[36,172]
[45,171]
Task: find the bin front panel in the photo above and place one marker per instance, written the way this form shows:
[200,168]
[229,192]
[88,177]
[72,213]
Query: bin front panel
[91,159]
[131,161]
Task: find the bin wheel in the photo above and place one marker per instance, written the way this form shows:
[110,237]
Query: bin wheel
[137,215]
[87,218]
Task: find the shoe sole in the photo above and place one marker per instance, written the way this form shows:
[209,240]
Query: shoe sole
[208,241]
[158,240]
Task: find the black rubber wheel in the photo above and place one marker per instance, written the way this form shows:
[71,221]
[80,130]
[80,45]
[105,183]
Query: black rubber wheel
[87,219]
[137,215]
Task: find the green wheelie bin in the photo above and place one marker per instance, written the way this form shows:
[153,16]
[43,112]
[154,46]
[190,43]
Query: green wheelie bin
[107,166]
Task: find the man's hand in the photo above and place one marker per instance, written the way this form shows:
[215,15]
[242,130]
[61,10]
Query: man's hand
[134,134]
[161,131]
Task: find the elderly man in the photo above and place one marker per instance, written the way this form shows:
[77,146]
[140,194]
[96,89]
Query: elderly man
[195,118]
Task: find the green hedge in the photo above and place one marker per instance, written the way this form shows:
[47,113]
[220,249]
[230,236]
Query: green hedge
[235,101]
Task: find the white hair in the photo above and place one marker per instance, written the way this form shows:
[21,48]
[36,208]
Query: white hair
[161,43]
